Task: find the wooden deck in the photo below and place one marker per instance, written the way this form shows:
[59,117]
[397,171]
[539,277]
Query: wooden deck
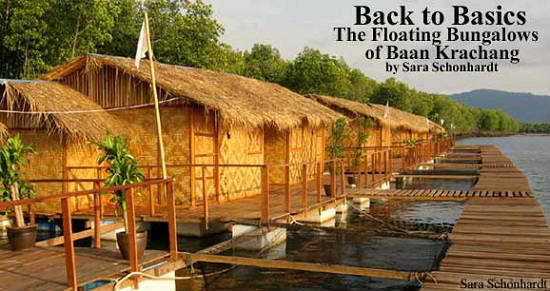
[497,237]
[501,234]
[245,210]
[442,195]
[26,270]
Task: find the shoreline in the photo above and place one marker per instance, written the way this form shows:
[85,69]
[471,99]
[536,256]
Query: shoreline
[497,134]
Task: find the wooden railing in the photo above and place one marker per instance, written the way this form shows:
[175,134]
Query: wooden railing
[374,167]
[66,212]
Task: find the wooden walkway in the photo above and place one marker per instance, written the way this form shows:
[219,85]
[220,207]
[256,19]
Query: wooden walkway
[245,210]
[499,241]
[443,195]
[25,270]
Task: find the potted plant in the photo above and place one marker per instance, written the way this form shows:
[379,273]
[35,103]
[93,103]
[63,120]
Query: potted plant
[410,142]
[363,133]
[122,170]
[336,148]
[12,157]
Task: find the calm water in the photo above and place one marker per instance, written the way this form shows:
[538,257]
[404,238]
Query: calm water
[354,240]
[531,154]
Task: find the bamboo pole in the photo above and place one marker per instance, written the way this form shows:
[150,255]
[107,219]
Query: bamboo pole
[154,87]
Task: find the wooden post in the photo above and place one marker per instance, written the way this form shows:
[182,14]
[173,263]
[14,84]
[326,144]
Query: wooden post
[131,233]
[342,178]
[151,196]
[366,171]
[385,163]
[333,178]
[70,263]
[172,223]
[205,198]
[97,217]
[265,194]
[359,176]
[318,181]
[391,161]
[216,163]
[304,186]
[192,170]
[287,188]
[379,167]
[373,168]
[154,88]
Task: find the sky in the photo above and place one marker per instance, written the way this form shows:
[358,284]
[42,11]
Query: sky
[291,25]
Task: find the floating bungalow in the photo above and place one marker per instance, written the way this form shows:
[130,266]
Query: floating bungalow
[217,127]
[386,128]
[58,122]
[407,125]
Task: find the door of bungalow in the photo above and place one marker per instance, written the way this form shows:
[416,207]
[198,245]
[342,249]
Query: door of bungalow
[203,153]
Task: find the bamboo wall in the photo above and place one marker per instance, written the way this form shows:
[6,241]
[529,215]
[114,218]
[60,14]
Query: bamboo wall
[45,163]
[276,152]
[241,147]
[305,144]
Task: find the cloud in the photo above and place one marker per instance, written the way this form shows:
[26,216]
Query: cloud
[292,25]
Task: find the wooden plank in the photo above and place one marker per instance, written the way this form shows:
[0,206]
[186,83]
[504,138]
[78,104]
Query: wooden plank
[301,266]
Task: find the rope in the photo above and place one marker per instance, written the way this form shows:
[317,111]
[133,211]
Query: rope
[87,111]
[394,228]
[294,221]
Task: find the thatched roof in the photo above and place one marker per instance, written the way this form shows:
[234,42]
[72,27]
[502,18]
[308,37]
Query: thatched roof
[51,102]
[237,100]
[396,118]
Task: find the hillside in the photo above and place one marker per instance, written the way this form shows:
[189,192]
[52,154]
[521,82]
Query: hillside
[525,107]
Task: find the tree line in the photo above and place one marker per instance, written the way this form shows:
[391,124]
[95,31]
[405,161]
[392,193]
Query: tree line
[37,36]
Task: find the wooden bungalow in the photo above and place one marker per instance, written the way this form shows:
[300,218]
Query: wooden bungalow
[386,129]
[58,122]
[209,118]
[380,127]
[408,125]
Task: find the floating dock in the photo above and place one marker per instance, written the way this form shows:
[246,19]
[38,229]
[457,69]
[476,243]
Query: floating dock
[501,236]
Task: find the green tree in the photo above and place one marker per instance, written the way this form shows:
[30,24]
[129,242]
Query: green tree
[396,93]
[362,87]
[184,32]
[264,62]
[26,36]
[317,73]
[125,31]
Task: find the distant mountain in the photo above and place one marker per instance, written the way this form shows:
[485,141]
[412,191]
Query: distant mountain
[524,107]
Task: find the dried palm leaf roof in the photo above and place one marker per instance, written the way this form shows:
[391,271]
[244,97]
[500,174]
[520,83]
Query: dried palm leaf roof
[396,118]
[47,105]
[238,101]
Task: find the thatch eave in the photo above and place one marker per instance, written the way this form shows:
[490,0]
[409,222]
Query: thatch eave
[396,118]
[48,105]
